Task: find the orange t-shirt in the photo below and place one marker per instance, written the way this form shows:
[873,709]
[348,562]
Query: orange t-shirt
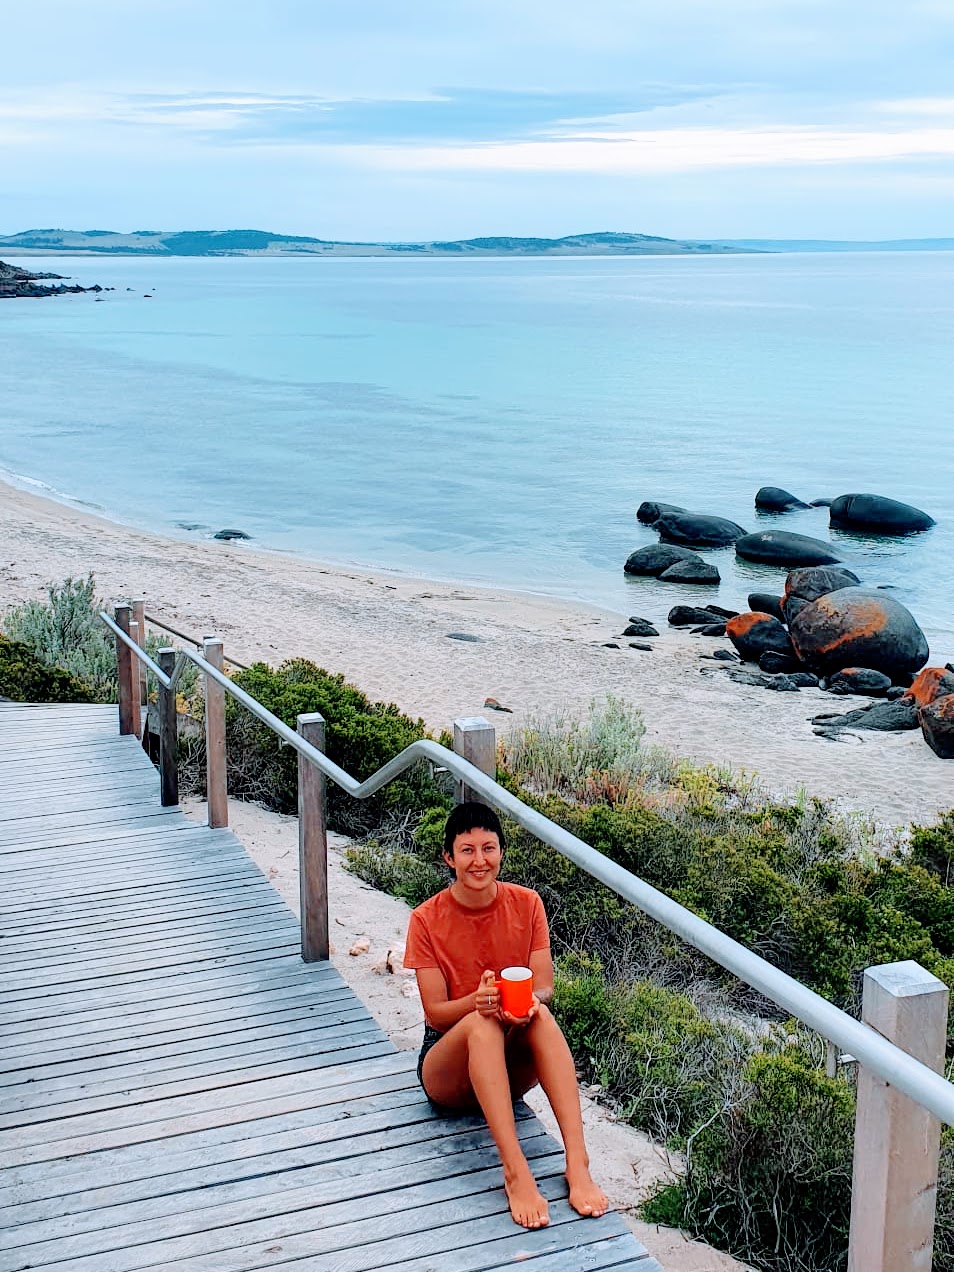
[462,943]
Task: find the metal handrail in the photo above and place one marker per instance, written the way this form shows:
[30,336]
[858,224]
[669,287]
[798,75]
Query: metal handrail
[889,1061]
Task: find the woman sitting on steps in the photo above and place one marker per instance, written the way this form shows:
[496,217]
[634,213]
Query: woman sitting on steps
[474,1052]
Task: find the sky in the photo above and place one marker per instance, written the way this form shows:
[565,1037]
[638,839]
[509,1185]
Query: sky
[413,119]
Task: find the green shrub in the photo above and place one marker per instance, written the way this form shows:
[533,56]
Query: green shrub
[360,737]
[24,678]
[769,1176]
[66,631]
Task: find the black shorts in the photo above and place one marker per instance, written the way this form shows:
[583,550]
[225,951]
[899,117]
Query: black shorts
[431,1036]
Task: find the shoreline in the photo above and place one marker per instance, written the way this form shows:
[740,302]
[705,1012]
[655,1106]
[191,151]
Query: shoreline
[397,638]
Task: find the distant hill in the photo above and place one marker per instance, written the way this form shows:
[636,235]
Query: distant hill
[264,243]
[843,245]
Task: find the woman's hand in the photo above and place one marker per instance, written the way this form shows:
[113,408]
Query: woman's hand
[486,998]
[521,1021]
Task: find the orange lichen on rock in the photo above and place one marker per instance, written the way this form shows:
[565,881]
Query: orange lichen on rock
[930,684]
[742,624]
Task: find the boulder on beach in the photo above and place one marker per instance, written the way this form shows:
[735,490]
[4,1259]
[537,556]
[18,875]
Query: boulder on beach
[697,530]
[756,634]
[656,557]
[649,512]
[882,717]
[766,603]
[930,684]
[231,534]
[697,571]
[782,547]
[878,515]
[691,616]
[864,681]
[937,726]
[773,662]
[857,627]
[775,499]
[640,627]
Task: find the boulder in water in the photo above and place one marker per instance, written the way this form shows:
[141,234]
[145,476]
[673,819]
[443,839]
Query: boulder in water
[696,530]
[782,547]
[697,571]
[649,512]
[231,534]
[876,514]
[806,585]
[775,499]
[656,557]
[756,634]
[856,627]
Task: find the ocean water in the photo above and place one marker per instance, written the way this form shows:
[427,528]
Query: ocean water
[497,421]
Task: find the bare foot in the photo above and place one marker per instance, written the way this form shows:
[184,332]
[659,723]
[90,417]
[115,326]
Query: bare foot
[527,1205]
[586,1197]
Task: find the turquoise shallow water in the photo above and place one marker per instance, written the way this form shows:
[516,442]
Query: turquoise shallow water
[498,421]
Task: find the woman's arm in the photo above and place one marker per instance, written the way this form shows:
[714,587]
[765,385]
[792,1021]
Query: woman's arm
[541,964]
[443,1012]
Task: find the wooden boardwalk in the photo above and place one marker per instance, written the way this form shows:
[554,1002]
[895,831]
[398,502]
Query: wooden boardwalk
[179,1091]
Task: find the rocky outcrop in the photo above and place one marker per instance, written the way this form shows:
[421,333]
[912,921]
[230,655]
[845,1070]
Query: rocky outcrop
[855,627]
[697,530]
[875,514]
[782,547]
[20,284]
[691,616]
[766,603]
[863,681]
[775,499]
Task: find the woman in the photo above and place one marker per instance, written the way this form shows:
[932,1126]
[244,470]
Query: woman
[474,1052]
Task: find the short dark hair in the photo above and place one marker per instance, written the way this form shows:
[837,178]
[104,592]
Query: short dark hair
[470,816]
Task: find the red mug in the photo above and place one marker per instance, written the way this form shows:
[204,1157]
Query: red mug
[515,987]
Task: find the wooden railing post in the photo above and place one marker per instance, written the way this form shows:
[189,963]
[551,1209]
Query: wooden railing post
[475,740]
[168,735]
[215,759]
[134,692]
[124,661]
[897,1142]
[139,618]
[312,845]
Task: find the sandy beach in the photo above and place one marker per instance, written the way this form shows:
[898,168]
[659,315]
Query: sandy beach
[395,637]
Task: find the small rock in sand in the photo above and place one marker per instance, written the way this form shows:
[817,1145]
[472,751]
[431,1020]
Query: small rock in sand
[361,946]
[494,705]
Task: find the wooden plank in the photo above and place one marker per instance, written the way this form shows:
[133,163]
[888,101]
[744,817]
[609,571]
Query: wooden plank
[89,959]
[223,1106]
[35,1063]
[348,1190]
[308,1138]
[591,1252]
[260,970]
[122,1085]
[106,836]
[265,1126]
[116,1032]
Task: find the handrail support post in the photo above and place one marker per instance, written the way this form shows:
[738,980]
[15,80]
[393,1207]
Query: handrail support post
[216,771]
[897,1142]
[312,844]
[168,735]
[124,671]
[476,741]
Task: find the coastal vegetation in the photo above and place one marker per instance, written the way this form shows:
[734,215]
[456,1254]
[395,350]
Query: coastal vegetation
[760,1135]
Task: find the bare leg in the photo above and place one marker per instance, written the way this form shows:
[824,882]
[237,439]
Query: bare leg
[542,1043]
[469,1063]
